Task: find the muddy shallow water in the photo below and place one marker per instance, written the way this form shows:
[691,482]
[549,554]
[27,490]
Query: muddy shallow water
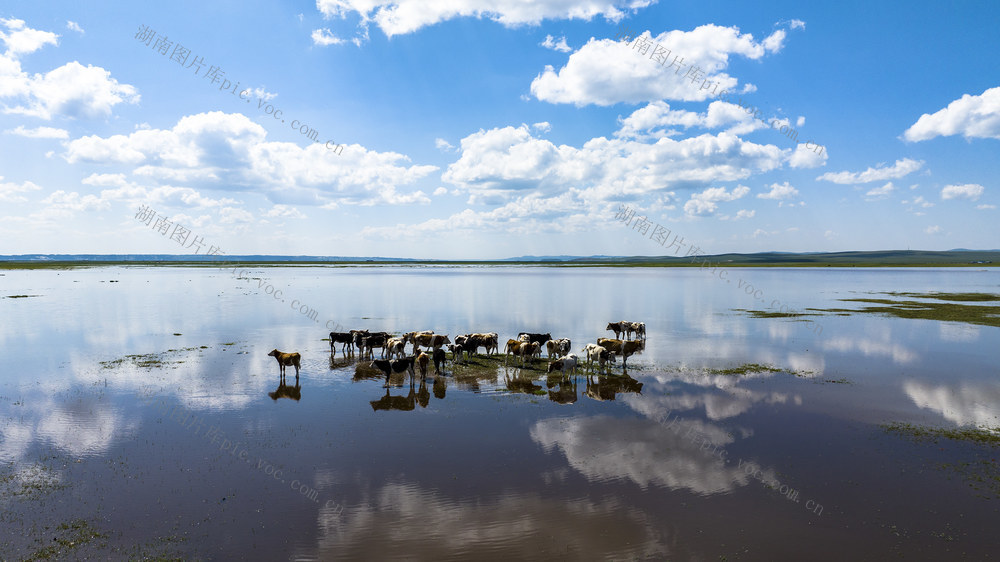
[139,404]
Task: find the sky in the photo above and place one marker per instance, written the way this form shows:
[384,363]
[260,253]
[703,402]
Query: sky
[474,129]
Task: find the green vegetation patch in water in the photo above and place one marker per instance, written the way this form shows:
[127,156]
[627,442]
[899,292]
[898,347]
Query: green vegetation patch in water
[980,435]
[745,369]
[771,314]
[150,360]
[69,536]
[960,297]
[984,315]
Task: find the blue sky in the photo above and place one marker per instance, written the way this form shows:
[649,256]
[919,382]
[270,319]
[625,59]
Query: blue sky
[475,129]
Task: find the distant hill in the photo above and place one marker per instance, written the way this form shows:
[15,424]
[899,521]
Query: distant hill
[843,259]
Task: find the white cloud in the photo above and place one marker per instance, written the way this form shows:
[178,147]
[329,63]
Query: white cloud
[877,193]
[262,94]
[551,43]
[651,120]
[606,72]
[499,164]
[706,202]
[325,37]
[72,90]
[985,207]
[39,132]
[75,202]
[969,116]
[879,173]
[73,26]
[542,126]
[284,212]
[918,201]
[22,40]
[398,17]
[9,192]
[443,145]
[774,41]
[969,191]
[745,214]
[779,192]
[807,157]
[531,214]
[224,151]
[933,229]
[440,191]
[797,24]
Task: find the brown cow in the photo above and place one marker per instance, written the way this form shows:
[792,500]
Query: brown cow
[286,359]
[622,348]
[422,361]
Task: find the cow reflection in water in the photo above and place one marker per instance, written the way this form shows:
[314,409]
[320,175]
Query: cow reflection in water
[419,395]
[285,391]
[522,382]
[605,388]
[440,387]
[389,402]
[566,394]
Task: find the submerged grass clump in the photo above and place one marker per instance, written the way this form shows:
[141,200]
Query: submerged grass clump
[745,369]
[981,474]
[980,435]
[946,311]
[30,482]
[69,536]
[150,360]
[771,314]
[960,297]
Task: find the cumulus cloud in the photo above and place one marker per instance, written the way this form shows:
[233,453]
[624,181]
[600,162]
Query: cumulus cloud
[807,157]
[39,132]
[879,173]
[223,151]
[877,193]
[556,45]
[10,192]
[706,202]
[75,202]
[970,191]
[530,214]
[21,40]
[779,192]
[443,145]
[656,119]
[73,26]
[606,72]
[933,229]
[969,116]
[499,164]
[398,17]
[284,212]
[325,37]
[71,90]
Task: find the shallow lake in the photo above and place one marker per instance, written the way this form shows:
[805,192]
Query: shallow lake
[139,409]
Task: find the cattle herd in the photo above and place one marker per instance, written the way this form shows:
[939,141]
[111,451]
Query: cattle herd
[526,347]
